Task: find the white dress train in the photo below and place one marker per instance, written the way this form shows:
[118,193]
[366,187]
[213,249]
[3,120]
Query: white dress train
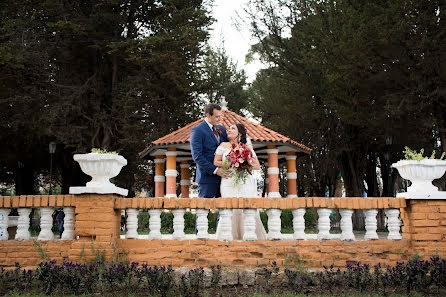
[246,190]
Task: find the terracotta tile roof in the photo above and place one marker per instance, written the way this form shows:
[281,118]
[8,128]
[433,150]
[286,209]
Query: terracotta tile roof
[257,132]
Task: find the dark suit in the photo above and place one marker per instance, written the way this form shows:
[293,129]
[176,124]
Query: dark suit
[203,144]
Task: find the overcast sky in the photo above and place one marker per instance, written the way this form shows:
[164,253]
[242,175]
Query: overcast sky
[236,43]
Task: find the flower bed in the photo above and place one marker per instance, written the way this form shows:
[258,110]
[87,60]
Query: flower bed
[118,279]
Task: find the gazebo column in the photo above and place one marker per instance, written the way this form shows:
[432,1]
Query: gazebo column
[171,173]
[266,180]
[185,179]
[159,176]
[291,175]
[273,171]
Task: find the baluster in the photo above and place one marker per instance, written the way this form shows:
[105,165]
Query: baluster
[23,224]
[370,224]
[249,221]
[299,223]
[323,223]
[155,223]
[46,223]
[132,223]
[68,224]
[202,223]
[393,224]
[226,224]
[4,221]
[346,225]
[178,224]
[274,224]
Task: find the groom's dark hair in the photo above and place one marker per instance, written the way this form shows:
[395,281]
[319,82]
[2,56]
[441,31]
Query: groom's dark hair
[210,108]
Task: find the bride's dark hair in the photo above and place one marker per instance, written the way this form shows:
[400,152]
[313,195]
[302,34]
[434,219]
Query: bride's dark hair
[242,131]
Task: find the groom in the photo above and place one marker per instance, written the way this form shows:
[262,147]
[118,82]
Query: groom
[204,140]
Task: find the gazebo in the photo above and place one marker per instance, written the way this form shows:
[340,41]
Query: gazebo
[270,146]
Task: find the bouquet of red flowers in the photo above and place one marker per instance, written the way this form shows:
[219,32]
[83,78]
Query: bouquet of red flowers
[240,162]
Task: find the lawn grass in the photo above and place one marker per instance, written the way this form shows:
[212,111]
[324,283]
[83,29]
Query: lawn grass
[253,295]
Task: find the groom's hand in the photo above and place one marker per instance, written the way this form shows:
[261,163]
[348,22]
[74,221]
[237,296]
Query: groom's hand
[220,173]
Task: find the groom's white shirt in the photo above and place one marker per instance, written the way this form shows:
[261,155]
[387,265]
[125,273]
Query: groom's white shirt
[210,127]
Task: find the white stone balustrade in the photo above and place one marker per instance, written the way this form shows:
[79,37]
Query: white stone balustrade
[132,223]
[249,224]
[155,223]
[274,224]
[23,225]
[393,224]
[46,223]
[323,223]
[178,223]
[202,223]
[4,221]
[371,224]
[299,223]
[68,224]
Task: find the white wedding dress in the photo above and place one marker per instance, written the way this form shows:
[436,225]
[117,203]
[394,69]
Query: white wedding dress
[247,190]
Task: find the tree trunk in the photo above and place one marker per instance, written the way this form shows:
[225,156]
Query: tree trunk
[371,178]
[24,178]
[71,173]
[352,175]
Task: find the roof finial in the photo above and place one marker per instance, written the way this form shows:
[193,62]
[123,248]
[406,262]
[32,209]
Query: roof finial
[224,104]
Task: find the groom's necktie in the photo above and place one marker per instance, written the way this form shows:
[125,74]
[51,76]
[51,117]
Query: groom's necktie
[215,132]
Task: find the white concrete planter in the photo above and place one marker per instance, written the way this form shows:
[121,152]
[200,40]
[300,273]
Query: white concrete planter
[101,167]
[421,173]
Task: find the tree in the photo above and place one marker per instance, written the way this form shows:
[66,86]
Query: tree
[347,73]
[222,80]
[113,74]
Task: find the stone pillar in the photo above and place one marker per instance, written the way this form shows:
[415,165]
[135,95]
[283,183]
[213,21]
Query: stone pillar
[159,176]
[226,224]
[23,224]
[46,222]
[249,222]
[185,179]
[171,173]
[96,219]
[266,179]
[346,225]
[132,223]
[178,224]
[274,224]
[202,224]
[273,171]
[68,224]
[393,224]
[4,221]
[323,223]
[291,175]
[299,223]
[370,224]
[155,223]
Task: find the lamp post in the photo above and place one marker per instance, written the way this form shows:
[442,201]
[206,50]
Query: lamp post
[52,148]
[388,158]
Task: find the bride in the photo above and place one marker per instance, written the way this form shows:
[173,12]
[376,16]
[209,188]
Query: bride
[248,189]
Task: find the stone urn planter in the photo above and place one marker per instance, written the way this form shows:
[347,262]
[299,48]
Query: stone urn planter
[421,173]
[101,167]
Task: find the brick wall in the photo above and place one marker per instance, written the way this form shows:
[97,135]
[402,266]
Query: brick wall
[98,219]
